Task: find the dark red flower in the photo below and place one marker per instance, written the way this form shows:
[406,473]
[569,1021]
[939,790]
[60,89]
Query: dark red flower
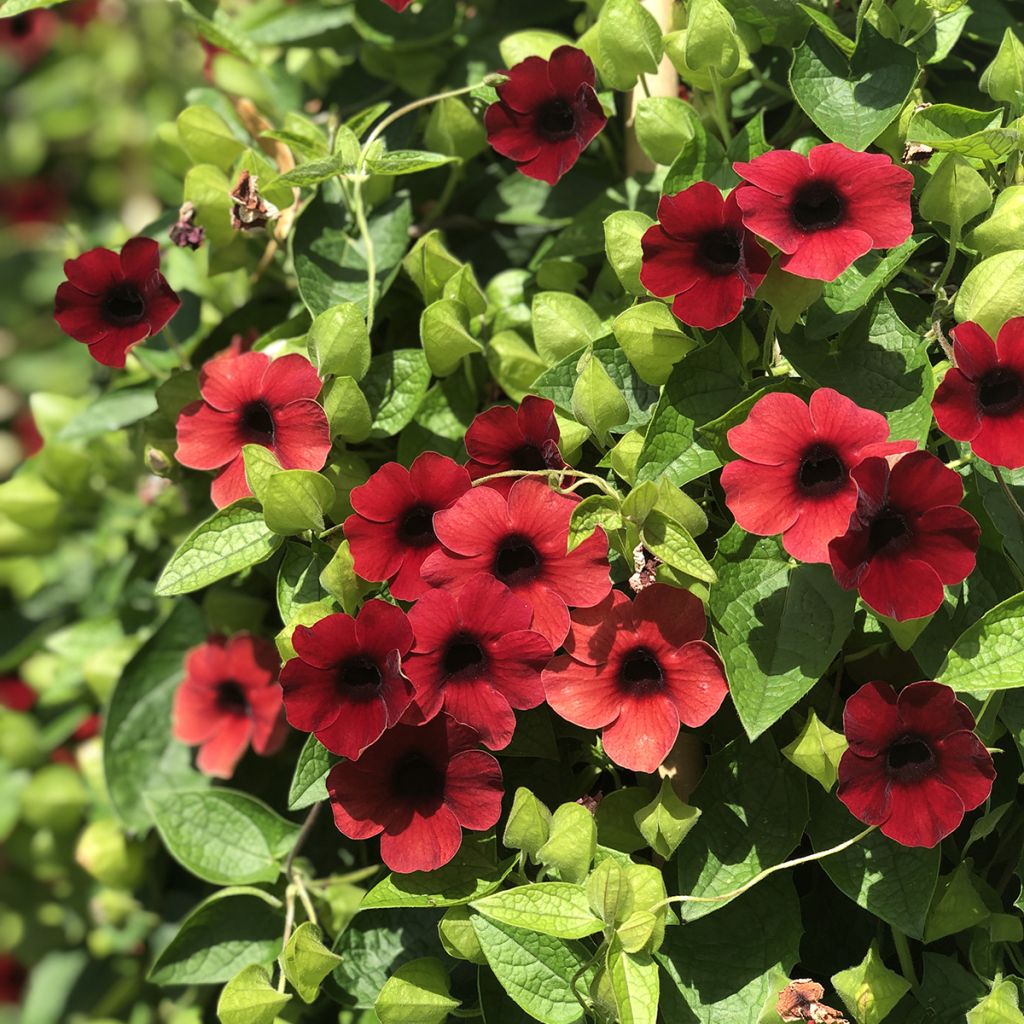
[981,399]
[826,209]
[251,399]
[27,36]
[346,685]
[392,530]
[228,699]
[914,766]
[700,252]
[12,980]
[27,433]
[476,658]
[111,302]
[30,203]
[89,727]
[636,669]
[547,113]
[398,5]
[504,438]
[520,539]
[16,695]
[793,474]
[907,537]
[417,788]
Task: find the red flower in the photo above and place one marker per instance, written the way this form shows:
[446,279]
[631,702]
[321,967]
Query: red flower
[27,433]
[30,203]
[914,766]
[520,539]
[12,980]
[346,685]
[636,669]
[90,727]
[547,113]
[826,209]
[392,530]
[16,695]
[476,658]
[229,698]
[793,474]
[112,302]
[398,5]
[28,36]
[700,252]
[907,536]
[417,788]
[504,438]
[249,399]
[981,399]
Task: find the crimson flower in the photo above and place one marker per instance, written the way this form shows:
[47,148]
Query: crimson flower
[228,699]
[793,474]
[27,36]
[12,980]
[16,695]
[346,685]
[250,399]
[520,539]
[981,399]
[504,438]
[914,766]
[700,252]
[476,658]
[636,669]
[826,209]
[547,113]
[392,530]
[112,302]
[398,5]
[33,201]
[417,788]
[27,432]
[907,536]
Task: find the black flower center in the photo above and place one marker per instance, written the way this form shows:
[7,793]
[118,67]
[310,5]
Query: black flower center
[1000,392]
[358,678]
[640,672]
[21,26]
[258,422]
[231,698]
[821,471]
[463,658]
[417,780]
[556,120]
[528,456]
[124,305]
[517,561]
[416,527]
[909,758]
[817,207]
[888,532]
[720,252]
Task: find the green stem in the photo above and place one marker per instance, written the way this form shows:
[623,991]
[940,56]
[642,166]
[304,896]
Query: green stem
[906,961]
[954,241]
[1001,480]
[646,88]
[580,478]
[718,110]
[768,357]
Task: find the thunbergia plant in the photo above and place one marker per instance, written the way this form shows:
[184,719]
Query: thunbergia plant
[512,511]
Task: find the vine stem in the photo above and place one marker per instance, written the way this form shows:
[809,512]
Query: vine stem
[581,478]
[1001,480]
[721,120]
[904,957]
[954,242]
[296,886]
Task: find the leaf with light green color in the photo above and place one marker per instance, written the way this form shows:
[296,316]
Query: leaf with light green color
[260,465]
[514,364]
[870,990]
[394,387]
[453,130]
[664,125]
[431,265]
[666,821]
[338,342]
[348,412]
[672,543]
[829,28]
[609,893]
[208,138]
[788,295]
[1003,228]
[637,932]
[817,750]
[309,782]
[956,906]
[993,291]
[444,329]
[455,931]
[1000,1006]
[623,231]
[249,998]
[339,579]
[955,194]
[406,161]
[417,993]
[306,961]
[313,172]
[597,510]
[948,128]
[529,824]
[988,655]
[1003,79]
[562,324]
[596,400]
[112,411]
[516,47]
[630,42]
[232,539]
[651,338]
[636,984]
[560,909]
[295,500]
[712,39]
[571,844]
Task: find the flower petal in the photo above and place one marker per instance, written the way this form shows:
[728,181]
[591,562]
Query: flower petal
[643,734]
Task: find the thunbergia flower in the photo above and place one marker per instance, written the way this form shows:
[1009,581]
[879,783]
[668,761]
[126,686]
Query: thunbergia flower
[520,539]
[504,438]
[229,698]
[392,529]
[547,113]
[636,669]
[914,766]
[398,5]
[907,536]
[417,788]
[16,695]
[27,36]
[793,474]
[981,398]
[700,252]
[826,209]
[251,399]
[111,302]
[12,980]
[31,202]
[476,658]
[346,685]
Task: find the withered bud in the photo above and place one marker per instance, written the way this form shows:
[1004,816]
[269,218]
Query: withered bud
[187,234]
[917,153]
[250,211]
[800,1000]
[646,564]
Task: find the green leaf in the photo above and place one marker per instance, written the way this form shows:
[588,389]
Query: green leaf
[516,47]
[625,43]
[596,401]
[1003,79]
[560,909]
[431,265]
[652,340]
[260,466]
[562,325]
[309,783]
[306,961]
[406,161]
[529,824]
[988,656]
[313,172]
[777,625]
[955,194]
[339,579]
[417,993]
[348,412]
[666,821]
[444,329]
[457,936]
[956,906]
[635,982]
[338,342]
[608,892]
[712,39]
[817,750]
[453,130]
[1002,230]
[671,542]
[788,295]
[220,835]
[394,387]
[852,100]
[110,412]
[870,990]
[973,133]
[571,845]
[1000,1006]
[623,231]
[597,510]
[295,500]
[208,138]
[664,125]
[993,291]
[249,998]
[232,539]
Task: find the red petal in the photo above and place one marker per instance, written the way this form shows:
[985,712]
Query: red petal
[692,212]
[517,659]
[902,588]
[550,614]
[777,431]
[824,255]
[839,421]
[819,521]
[779,172]
[490,609]
[302,438]
[438,481]
[434,620]
[376,551]
[1000,441]
[919,481]
[95,271]
[1010,344]
[357,726]
[481,707]
[79,314]
[947,539]
[585,695]
[196,715]
[966,767]
[140,259]
[931,711]
[973,350]
[713,301]
[677,614]
[382,628]
[409,584]
[473,789]
[695,682]
[870,719]
[112,348]
[923,814]
[289,379]
[311,698]
[511,134]
[230,484]
[768,216]
[864,787]
[474,524]
[385,496]
[207,438]
[552,161]
[643,734]
[569,68]
[955,407]
[594,630]
[328,642]
[421,842]
[229,382]
[361,801]
[494,435]
[219,754]
[528,85]
[582,576]
[763,499]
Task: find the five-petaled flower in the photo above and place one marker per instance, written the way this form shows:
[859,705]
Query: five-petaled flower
[251,399]
[111,302]
[826,209]
[793,474]
[398,5]
[547,113]
[504,438]
[346,684]
[391,531]
[28,36]
[229,698]
[476,658]
[700,252]
[914,766]
[981,399]
[907,537]
[417,788]
[520,539]
[636,669]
